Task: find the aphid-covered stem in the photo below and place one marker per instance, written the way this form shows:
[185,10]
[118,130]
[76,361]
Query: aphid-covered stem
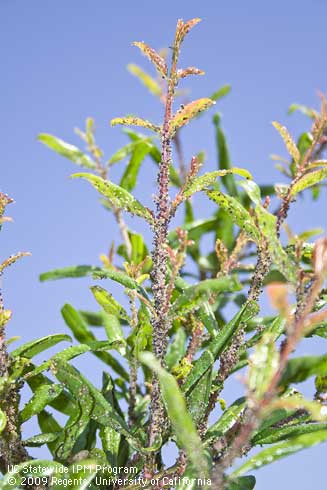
[159,255]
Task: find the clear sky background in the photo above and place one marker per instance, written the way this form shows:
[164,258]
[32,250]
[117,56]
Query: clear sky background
[63,61]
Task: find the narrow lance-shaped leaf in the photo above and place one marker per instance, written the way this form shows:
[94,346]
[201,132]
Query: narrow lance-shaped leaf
[126,150]
[308,180]
[90,270]
[221,92]
[301,368]
[267,225]
[135,121]
[242,483]
[117,195]
[102,411]
[307,111]
[66,150]
[272,435]
[191,70]
[226,421]
[219,344]
[289,142]
[180,418]
[176,349]
[83,334]
[224,162]
[206,180]
[153,56]
[237,212]
[108,303]
[263,363]
[31,349]
[202,291]
[12,259]
[150,83]
[188,112]
[40,439]
[3,420]
[278,451]
[41,398]
[129,178]
[182,29]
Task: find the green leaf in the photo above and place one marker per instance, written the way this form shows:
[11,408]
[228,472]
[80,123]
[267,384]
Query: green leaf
[206,180]
[307,111]
[252,190]
[31,349]
[181,420]
[128,149]
[41,398]
[220,93]
[308,180]
[188,112]
[239,215]
[289,143]
[219,344]
[3,420]
[150,83]
[198,399]
[301,368]
[272,435]
[101,411]
[224,162]
[155,155]
[118,196]
[108,303]
[65,355]
[226,421]
[89,270]
[66,150]
[83,334]
[40,439]
[154,57]
[135,121]
[176,349]
[193,296]
[242,483]
[264,364]
[129,178]
[267,225]
[281,450]
[49,425]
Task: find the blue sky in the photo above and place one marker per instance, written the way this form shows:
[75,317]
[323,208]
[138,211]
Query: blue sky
[63,61]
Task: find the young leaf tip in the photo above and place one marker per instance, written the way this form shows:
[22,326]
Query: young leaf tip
[154,57]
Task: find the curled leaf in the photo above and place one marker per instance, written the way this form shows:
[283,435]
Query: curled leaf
[12,259]
[153,56]
[183,28]
[192,70]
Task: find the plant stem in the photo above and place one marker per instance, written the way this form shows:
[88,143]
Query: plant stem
[160,323]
